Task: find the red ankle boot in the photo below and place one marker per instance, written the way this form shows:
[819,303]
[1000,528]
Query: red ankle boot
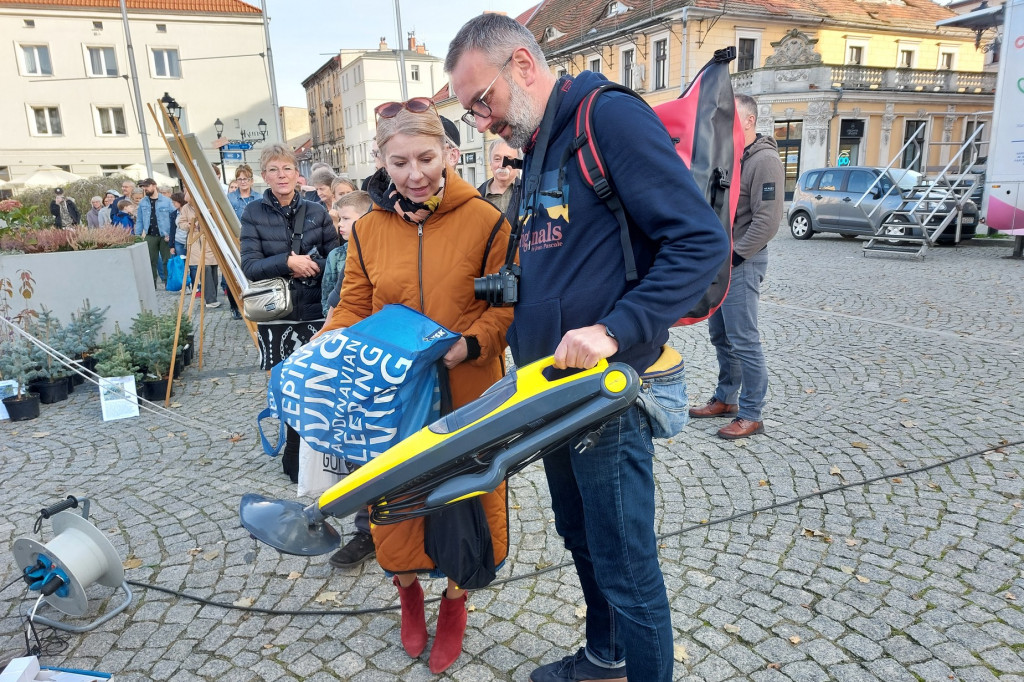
[451,628]
[414,623]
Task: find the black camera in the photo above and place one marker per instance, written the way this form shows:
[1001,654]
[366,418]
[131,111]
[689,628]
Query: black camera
[499,289]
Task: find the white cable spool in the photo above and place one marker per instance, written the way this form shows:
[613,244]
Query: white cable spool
[81,551]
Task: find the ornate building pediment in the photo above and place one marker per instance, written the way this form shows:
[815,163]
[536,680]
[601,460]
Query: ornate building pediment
[795,48]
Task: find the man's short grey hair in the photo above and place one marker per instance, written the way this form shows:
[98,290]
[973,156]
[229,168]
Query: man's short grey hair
[747,106]
[495,35]
[322,175]
[494,145]
[318,164]
[96,199]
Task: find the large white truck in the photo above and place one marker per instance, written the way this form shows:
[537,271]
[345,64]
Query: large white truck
[1003,205]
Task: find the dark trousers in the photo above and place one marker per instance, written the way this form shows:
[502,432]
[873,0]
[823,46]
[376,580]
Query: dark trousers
[210,290]
[159,254]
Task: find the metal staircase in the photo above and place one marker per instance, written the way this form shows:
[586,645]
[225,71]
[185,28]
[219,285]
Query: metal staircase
[930,208]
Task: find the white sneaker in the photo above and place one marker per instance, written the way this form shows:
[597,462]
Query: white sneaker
[215,304]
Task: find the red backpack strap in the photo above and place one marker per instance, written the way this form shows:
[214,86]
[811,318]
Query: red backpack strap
[595,171]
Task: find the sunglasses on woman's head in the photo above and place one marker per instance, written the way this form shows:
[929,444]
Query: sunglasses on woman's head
[416,105]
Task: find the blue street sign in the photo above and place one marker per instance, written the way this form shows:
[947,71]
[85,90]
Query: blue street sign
[232,156]
[242,146]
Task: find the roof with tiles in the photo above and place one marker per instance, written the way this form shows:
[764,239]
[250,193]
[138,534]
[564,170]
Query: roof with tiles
[189,6]
[579,21]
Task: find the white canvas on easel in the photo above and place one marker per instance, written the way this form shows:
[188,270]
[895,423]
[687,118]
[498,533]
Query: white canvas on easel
[118,398]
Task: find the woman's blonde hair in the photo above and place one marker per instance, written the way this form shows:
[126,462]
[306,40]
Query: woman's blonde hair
[405,122]
[244,169]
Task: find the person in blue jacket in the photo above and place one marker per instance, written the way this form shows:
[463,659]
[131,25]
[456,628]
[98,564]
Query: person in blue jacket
[154,221]
[575,303]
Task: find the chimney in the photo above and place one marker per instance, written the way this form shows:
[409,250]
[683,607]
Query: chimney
[421,48]
[383,44]
[412,41]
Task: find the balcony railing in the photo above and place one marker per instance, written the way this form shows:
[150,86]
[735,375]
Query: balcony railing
[854,77]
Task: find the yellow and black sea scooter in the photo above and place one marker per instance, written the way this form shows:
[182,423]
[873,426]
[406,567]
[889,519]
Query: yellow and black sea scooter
[527,414]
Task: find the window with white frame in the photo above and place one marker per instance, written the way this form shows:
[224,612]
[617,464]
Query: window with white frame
[748,49]
[45,121]
[947,58]
[627,68]
[344,82]
[35,60]
[906,54]
[595,65]
[414,72]
[110,121]
[856,50]
[165,62]
[470,133]
[560,72]
[660,63]
[108,169]
[102,61]
[348,117]
[361,112]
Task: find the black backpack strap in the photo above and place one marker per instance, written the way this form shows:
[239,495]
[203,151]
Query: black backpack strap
[595,171]
[359,253]
[490,239]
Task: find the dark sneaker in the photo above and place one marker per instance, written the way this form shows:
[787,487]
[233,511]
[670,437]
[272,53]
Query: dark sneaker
[359,549]
[577,668]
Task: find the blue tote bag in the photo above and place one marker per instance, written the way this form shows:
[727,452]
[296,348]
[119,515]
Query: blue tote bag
[353,393]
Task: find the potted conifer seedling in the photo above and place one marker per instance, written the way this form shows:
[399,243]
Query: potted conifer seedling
[16,363]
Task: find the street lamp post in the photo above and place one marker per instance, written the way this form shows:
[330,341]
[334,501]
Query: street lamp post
[218,127]
[173,110]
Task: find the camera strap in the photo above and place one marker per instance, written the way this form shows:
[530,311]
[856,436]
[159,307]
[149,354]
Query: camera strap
[540,150]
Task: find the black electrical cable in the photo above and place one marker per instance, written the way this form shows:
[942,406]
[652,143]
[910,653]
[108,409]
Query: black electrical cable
[565,564]
[16,580]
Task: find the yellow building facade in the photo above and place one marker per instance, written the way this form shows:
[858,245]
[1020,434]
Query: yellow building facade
[837,82]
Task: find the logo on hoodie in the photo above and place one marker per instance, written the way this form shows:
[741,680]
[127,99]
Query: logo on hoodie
[547,225]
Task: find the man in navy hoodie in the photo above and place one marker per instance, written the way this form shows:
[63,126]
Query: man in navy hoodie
[575,303]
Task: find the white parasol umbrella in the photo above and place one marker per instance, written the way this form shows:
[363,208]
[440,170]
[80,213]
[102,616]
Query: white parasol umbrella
[137,172]
[48,176]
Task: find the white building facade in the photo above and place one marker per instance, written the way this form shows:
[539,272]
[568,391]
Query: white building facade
[371,78]
[69,98]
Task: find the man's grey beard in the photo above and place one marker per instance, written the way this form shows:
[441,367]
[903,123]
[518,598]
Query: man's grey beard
[518,116]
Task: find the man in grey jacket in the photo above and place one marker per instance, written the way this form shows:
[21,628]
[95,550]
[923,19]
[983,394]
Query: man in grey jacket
[742,373]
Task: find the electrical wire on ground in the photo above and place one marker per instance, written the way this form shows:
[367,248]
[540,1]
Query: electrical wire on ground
[555,567]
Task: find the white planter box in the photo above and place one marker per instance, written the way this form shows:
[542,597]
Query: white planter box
[119,278]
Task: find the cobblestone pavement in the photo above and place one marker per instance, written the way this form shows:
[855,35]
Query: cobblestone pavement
[878,366]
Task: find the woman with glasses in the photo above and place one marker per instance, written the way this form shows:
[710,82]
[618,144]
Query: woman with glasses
[268,222]
[427,237]
[243,196]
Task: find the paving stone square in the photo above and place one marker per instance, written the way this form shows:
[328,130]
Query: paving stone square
[879,368]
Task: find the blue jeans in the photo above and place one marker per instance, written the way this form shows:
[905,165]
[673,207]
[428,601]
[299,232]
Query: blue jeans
[603,499]
[742,372]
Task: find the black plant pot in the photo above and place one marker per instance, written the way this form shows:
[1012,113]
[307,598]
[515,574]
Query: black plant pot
[76,378]
[71,382]
[186,355]
[51,391]
[24,409]
[89,363]
[155,389]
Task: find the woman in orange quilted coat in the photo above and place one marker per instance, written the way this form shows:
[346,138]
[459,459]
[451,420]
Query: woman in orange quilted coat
[428,236]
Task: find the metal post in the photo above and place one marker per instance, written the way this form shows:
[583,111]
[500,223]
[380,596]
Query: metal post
[135,86]
[270,66]
[401,51]
[223,169]
[1018,248]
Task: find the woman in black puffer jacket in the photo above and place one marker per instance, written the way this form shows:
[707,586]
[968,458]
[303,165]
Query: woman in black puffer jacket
[266,250]
[266,244]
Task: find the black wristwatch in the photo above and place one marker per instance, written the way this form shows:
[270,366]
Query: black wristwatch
[608,331]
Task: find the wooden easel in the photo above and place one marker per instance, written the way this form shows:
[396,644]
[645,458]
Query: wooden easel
[201,199]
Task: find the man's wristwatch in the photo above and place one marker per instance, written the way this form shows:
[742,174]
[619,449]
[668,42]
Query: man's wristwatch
[608,331]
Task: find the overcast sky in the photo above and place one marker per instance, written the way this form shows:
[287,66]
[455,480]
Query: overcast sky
[306,33]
